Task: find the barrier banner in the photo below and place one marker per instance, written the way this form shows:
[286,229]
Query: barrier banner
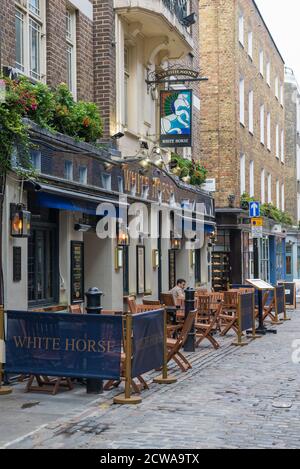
[280,300]
[246,311]
[148,342]
[290,293]
[64,345]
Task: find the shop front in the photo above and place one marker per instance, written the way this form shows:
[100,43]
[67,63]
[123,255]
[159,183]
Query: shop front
[81,193]
[237,256]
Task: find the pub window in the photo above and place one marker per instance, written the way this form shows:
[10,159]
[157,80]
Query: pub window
[69,170]
[106,181]
[120,184]
[30,43]
[36,160]
[83,175]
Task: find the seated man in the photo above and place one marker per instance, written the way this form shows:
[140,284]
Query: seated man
[178,291]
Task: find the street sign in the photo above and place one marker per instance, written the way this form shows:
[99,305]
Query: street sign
[257,227]
[254,209]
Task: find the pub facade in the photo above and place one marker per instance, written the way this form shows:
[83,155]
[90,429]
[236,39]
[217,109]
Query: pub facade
[65,254]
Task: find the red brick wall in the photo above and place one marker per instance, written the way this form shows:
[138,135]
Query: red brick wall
[56,42]
[104,60]
[85,61]
[7,31]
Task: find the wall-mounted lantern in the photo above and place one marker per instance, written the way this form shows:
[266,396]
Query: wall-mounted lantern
[119,259]
[155,259]
[122,235]
[176,243]
[20,221]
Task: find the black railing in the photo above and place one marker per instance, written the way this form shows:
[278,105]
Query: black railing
[178,7]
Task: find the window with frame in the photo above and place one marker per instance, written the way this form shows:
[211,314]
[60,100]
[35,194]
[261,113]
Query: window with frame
[69,170]
[277,141]
[250,44]
[268,73]
[251,177]
[241,29]
[71,50]
[262,186]
[261,62]
[83,175]
[30,43]
[269,131]
[251,112]
[243,173]
[242,101]
[126,86]
[262,124]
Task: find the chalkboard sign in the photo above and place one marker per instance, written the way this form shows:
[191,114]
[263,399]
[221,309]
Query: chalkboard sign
[246,312]
[290,293]
[77,272]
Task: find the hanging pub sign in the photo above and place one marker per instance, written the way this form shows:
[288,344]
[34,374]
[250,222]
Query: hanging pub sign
[176,118]
[77,272]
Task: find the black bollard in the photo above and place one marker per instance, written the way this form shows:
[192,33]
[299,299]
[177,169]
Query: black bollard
[93,306]
[190,345]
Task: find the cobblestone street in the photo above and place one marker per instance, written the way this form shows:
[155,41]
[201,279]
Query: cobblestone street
[233,398]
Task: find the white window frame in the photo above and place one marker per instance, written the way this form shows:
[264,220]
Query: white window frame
[277,141]
[261,62]
[282,142]
[243,173]
[33,20]
[277,194]
[69,170]
[262,124]
[241,29]
[242,100]
[281,94]
[263,186]
[251,112]
[283,197]
[269,131]
[269,188]
[83,171]
[268,73]
[277,87]
[251,179]
[71,32]
[250,44]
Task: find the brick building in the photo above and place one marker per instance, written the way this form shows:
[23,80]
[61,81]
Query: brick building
[292,160]
[105,51]
[242,134]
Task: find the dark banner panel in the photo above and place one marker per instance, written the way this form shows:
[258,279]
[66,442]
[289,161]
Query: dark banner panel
[148,342]
[280,300]
[290,293]
[247,311]
[64,345]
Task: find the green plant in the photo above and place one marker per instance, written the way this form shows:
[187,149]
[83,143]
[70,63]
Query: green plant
[188,171]
[55,110]
[245,200]
[270,211]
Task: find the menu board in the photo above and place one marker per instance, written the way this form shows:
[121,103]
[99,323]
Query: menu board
[77,272]
[140,270]
[260,284]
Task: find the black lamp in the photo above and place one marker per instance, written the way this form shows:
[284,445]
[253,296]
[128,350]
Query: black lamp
[20,221]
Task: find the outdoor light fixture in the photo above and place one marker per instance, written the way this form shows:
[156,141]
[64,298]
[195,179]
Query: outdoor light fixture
[119,258]
[144,145]
[82,228]
[117,136]
[190,20]
[193,258]
[155,259]
[20,221]
[176,243]
[122,235]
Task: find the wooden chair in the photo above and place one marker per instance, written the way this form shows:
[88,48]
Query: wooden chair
[206,325]
[175,345]
[151,302]
[76,309]
[228,315]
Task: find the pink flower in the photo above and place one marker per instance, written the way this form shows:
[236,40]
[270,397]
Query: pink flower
[34,107]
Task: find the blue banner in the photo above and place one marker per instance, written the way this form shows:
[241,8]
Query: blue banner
[64,345]
[148,342]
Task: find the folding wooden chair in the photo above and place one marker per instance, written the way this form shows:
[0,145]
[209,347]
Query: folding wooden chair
[175,345]
[228,315]
[76,309]
[206,325]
